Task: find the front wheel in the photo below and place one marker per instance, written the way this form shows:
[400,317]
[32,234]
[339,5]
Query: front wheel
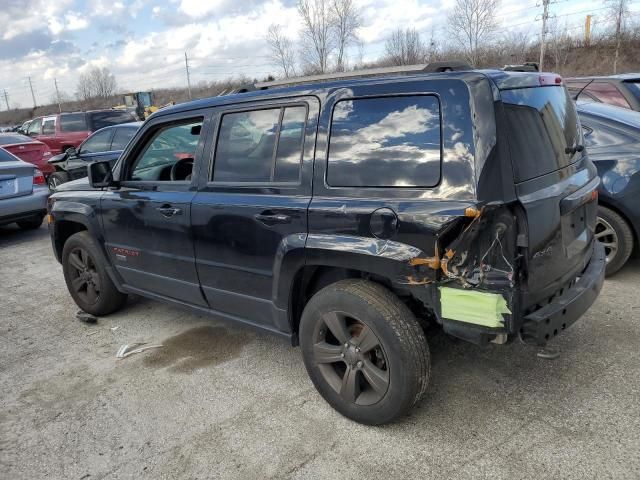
[86,277]
[364,350]
[57,178]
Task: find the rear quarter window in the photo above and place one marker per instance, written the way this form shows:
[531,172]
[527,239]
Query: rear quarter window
[385,142]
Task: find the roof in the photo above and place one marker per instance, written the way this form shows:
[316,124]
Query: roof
[611,113]
[501,78]
[622,77]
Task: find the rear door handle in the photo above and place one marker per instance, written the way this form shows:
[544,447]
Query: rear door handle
[169,212]
[270,218]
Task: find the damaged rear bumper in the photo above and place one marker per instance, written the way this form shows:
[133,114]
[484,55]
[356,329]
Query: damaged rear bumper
[545,323]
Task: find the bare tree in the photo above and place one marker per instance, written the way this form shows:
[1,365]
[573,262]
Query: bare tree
[346,22]
[471,24]
[560,44]
[516,46]
[405,47]
[282,50]
[618,10]
[317,41]
[96,83]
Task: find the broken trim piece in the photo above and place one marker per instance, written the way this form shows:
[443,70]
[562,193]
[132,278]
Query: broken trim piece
[473,306]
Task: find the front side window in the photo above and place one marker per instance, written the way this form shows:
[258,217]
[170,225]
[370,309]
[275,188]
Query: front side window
[98,142]
[169,154]
[34,127]
[73,122]
[49,126]
[385,142]
[260,146]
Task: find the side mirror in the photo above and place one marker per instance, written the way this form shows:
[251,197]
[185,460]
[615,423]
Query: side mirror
[71,152]
[100,175]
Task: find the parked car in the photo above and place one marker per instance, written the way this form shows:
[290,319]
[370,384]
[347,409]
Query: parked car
[23,192]
[66,130]
[27,149]
[612,137]
[105,144]
[346,214]
[619,90]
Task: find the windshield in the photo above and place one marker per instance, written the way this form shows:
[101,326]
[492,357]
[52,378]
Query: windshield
[543,130]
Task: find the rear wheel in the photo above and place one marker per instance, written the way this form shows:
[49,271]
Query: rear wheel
[57,178]
[31,223]
[365,351]
[86,277]
[614,233]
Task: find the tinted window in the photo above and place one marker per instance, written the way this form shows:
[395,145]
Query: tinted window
[608,93]
[168,146]
[105,119]
[121,137]
[248,148]
[9,139]
[385,142]
[73,122]
[634,87]
[542,124]
[49,126]
[98,142]
[34,127]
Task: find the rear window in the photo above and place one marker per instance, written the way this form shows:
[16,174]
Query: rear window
[385,142]
[73,122]
[106,119]
[542,124]
[9,139]
[7,157]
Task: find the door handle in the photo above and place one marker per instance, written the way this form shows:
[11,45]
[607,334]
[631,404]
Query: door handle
[270,218]
[169,212]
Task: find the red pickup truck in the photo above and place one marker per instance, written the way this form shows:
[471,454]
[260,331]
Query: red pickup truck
[65,130]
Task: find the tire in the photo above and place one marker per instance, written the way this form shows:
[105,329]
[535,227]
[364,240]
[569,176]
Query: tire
[615,234]
[385,347]
[31,223]
[86,277]
[57,178]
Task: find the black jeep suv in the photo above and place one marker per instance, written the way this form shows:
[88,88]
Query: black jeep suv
[346,215]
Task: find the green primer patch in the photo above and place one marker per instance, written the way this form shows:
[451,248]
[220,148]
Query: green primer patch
[471,306]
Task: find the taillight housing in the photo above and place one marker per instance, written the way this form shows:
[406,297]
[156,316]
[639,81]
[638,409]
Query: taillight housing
[546,79]
[38,178]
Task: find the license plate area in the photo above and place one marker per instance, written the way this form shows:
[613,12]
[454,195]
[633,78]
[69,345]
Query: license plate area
[577,228]
[8,187]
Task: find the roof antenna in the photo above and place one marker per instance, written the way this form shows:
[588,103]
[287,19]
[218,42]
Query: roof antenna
[575,99]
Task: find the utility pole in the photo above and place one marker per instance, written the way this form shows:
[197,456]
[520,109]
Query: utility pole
[32,94]
[545,17]
[55,82]
[6,99]
[186,65]
[587,30]
[619,10]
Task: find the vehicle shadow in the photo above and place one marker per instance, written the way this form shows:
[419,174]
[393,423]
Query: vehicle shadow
[13,235]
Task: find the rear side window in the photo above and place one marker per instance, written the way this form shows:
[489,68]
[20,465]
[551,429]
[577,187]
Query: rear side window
[106,119]
[73,122]
[34,127]
[543,128]
[385,142]
[260,146]
[121,137]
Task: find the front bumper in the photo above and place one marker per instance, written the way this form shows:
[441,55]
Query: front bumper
[545,323]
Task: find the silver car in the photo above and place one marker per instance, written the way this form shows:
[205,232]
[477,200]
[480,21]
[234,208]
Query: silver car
[23,192]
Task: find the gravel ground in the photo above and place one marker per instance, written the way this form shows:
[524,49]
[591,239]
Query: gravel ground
[219,401]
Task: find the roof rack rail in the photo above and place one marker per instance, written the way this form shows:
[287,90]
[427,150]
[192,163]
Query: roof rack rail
[524,67]
[434,67]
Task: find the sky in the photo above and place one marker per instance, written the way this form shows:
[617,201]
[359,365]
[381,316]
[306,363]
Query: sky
[143,41]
